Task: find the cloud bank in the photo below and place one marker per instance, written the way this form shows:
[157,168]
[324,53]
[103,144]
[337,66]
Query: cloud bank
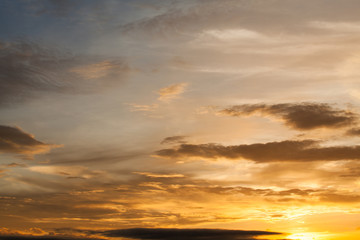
[190,234]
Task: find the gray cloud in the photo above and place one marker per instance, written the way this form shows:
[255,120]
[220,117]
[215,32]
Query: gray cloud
[306,150]
[174,139]
[266,16]
[301,116]
[15,140]
[27,68]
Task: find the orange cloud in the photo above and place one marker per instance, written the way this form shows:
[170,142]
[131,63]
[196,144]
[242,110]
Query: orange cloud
[172,91]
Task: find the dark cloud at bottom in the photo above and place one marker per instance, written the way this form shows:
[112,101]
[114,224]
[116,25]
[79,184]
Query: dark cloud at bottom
[149,234]
[29,237]
[188,234]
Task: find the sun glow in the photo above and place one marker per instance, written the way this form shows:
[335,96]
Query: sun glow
[303,236]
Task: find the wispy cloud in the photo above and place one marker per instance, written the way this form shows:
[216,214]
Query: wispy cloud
[28,68]
[172,91]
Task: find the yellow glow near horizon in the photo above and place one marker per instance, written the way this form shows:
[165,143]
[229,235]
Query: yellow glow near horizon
[303,236]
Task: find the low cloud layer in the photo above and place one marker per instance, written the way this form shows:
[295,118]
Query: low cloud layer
[190,234]
[25,237]
[305,150]
[15,140]
[302,116]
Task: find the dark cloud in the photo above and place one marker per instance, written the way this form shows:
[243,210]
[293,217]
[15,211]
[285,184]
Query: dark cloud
[46,237]
[15,140]
[174,139]
[191,234]
[305,150]
[27,68]
[302,116]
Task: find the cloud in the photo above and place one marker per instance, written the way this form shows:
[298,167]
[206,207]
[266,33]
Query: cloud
[302,116]
[45,237]
[36,234]
[339,198]
[15,140]
[67,171]
[28,68]
[305,150]
[182,21]
[191,234]
[143,107]
[102,69]
[16,165]
[174,139]
[353,132]
[161,175]
[172,91]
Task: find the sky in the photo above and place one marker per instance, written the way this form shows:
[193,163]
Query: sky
[179,119]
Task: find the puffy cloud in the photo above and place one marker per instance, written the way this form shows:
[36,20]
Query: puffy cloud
[15,140]
[172,91]
[301,116]
[305,150]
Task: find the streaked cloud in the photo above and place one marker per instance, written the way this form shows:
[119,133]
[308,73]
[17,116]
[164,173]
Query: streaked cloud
[143,107]
[67,171]
[28,68]
[305,150]
[104,69]
[160,175]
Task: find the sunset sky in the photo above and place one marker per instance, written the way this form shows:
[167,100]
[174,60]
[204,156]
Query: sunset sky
[180,119]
